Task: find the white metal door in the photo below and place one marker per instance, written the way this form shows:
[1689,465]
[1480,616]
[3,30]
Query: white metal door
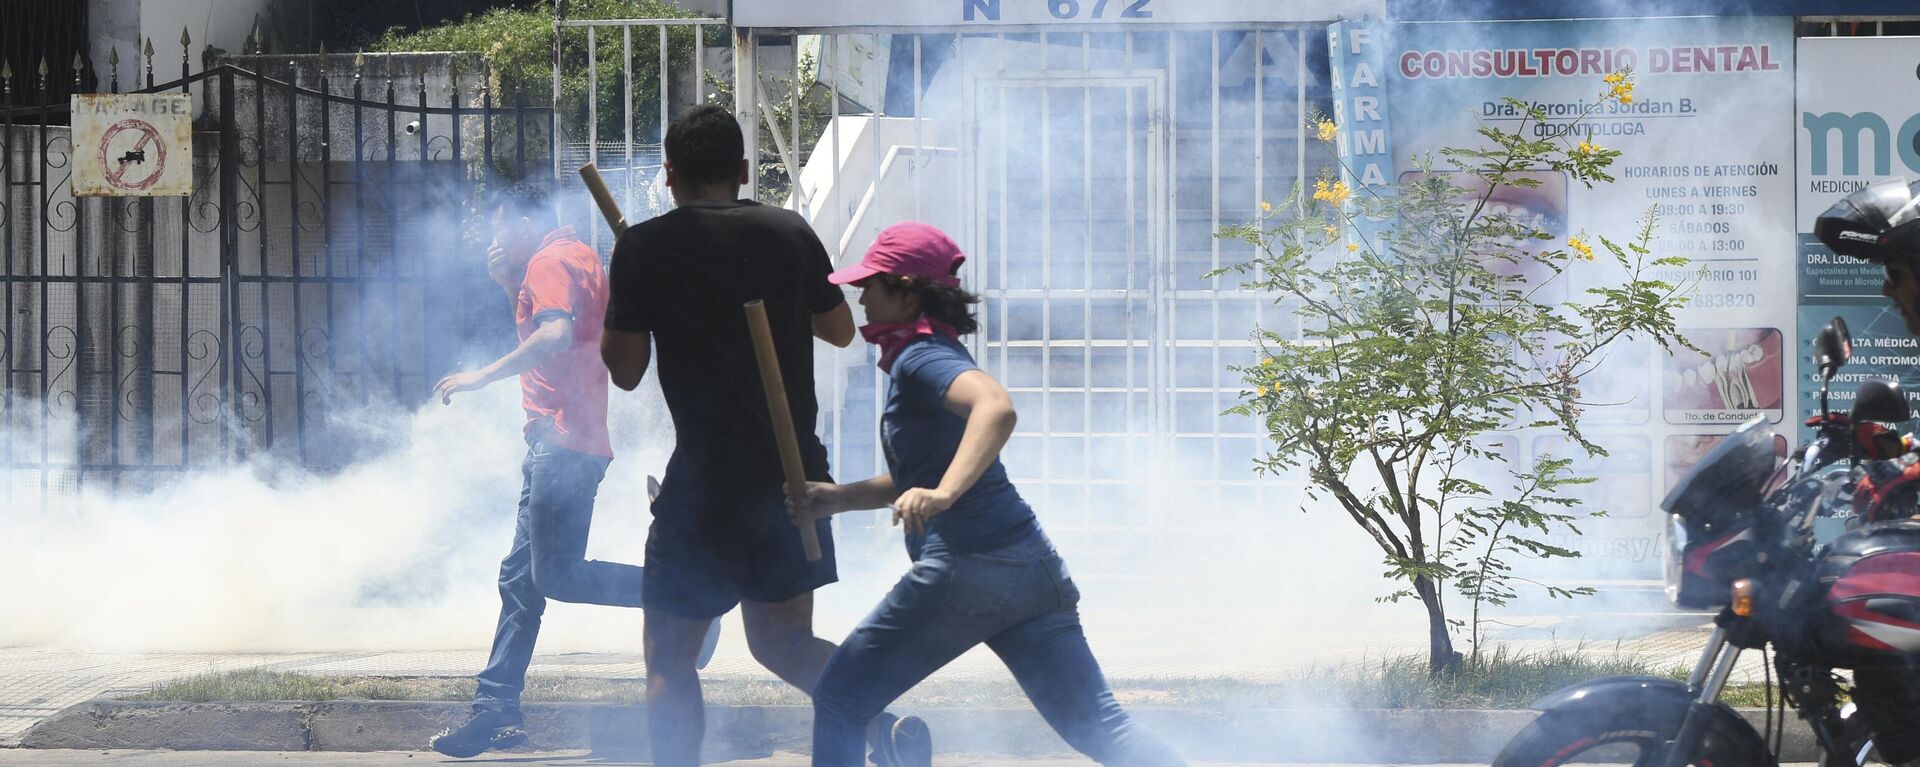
[1066,231]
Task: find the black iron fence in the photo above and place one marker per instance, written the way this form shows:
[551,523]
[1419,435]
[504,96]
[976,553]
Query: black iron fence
[327,258]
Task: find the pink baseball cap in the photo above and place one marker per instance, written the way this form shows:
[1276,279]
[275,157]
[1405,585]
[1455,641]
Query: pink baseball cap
[912,249]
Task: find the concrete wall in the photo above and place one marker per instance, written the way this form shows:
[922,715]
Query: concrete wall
[111,24]
[127,24]
[219,23]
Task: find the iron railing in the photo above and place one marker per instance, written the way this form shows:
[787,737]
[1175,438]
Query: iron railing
[324,259]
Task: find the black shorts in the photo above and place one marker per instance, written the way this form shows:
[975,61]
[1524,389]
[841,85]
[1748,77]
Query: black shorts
[703,561]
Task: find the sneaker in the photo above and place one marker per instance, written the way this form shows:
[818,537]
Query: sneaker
[485,730]
[880,740]
[707,648]
[912,743]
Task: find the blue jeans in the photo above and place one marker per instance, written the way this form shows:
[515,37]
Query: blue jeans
[549,561]
[1019,601]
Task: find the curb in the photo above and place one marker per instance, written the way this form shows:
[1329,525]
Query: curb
[1368,736]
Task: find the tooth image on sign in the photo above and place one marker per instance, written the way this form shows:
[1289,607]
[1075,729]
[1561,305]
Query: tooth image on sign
[1727,377]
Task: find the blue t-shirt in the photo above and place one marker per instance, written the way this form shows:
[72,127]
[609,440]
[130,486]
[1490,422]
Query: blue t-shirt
[921,436]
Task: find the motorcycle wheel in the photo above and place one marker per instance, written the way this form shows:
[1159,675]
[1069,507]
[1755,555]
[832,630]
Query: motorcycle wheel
[1629,737]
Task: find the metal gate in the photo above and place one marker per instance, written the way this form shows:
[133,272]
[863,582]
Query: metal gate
[1068,172]
[327,258]
[1085,171]
[1097,167]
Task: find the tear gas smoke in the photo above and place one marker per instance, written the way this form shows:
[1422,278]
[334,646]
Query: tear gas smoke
[399,551]
[395,552]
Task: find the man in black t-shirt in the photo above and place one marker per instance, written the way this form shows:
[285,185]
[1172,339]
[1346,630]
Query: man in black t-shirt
[721,534]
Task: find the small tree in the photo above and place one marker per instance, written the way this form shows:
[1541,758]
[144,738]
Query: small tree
[1426,335]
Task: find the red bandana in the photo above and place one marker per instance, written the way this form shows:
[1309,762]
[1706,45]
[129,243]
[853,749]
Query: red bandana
[892,337]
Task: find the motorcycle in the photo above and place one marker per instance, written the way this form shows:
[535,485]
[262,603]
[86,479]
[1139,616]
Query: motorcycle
[1892,481]
[1850,604]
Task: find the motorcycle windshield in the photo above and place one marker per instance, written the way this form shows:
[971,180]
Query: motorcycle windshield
[1732,473]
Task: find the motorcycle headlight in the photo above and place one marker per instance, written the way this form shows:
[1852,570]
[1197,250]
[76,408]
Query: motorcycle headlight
[1744,592]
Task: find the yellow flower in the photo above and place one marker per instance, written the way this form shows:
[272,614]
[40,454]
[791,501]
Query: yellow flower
[1269,362]
[1266,207]
[1586,148]
[1335,193]
[1262,389]
[1615,78]
[1332,230]
[1326,131]
[1627,99]
[1579,245]
[1352,247]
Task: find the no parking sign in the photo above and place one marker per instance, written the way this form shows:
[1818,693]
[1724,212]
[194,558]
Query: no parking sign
[133,145]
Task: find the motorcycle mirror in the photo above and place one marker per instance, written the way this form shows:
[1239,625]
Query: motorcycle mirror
[1833,347]
[1880,402]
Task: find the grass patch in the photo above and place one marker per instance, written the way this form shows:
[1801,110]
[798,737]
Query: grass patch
[1500,679]
[259,684]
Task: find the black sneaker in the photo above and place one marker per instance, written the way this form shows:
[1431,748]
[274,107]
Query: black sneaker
[485,730]
[912,743]
[880,740]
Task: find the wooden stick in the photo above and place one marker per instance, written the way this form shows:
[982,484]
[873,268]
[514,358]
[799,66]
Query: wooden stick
[603,197]
[782,418]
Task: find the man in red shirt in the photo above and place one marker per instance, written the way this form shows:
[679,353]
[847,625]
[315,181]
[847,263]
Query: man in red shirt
[559,293]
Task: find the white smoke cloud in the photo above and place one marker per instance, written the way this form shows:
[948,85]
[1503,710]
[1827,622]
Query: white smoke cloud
[397,552]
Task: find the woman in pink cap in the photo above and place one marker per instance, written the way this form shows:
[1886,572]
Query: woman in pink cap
[982,569]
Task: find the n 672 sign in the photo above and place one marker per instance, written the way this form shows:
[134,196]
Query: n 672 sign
[1064,10]
[795,14]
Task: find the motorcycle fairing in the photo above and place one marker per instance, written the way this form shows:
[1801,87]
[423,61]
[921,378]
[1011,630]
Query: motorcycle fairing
[1872,577]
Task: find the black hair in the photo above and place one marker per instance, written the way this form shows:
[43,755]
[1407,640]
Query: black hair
[951,305]
[705,146]
[526,199]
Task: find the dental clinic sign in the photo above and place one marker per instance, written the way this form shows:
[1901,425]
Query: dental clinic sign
[1704,148]
[1858,123]
[797,14]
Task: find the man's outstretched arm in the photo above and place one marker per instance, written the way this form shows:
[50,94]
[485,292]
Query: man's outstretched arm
[835,326]
[627,356]
[551,338]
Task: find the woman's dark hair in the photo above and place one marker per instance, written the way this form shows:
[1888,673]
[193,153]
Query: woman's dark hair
[953,306]
[705,146]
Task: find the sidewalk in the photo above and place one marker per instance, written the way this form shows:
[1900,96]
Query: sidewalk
[36,683]
[564,759]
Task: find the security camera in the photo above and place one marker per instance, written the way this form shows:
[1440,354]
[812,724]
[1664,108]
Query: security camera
[412,127]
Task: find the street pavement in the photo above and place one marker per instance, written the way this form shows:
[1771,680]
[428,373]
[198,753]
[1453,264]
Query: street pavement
[22,758]
[36,683]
